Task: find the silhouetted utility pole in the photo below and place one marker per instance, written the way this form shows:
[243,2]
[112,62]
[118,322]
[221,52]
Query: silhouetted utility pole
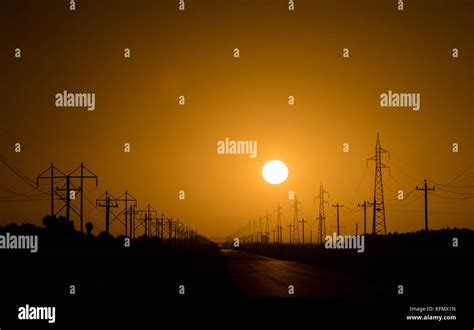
[179,230]
[291,226]
[253,231]
[133,212]
[106,202]
[426,189]
[357,228]
[246,236]
[365,205]
[267,227]
[296,226]
[170,226]
[114,202]
[176,229]
[51,170]
[81,176]
[127,199]
[302,232]
[147,218]
[157,227]
[321,219]
[279,227]
[69,187]
[337,206]
[310,237]
[68,196]
[379,225]
[162,219]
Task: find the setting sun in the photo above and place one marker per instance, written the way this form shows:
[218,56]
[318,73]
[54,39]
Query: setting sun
[275,172]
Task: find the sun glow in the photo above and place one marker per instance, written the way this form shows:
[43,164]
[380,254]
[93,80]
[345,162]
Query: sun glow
[275,172]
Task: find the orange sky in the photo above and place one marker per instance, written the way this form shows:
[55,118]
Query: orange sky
[283,53]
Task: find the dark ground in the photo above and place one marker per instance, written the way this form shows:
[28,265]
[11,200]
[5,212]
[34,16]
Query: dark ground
[137,287]
[432,271]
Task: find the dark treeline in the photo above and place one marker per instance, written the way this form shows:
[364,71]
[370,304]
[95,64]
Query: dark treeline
[59,232]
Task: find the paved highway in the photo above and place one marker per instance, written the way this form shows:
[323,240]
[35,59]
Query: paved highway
[260,276]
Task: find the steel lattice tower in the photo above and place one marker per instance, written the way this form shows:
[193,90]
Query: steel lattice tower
[296,231]
[279,227]
[379,224]
[267,228]
[322,216]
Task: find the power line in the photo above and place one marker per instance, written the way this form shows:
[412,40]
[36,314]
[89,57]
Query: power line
[27,194]
[435,212]
[460,198]
[457,187]
[407,195]
[396,181]
[449,201]
[358,186]
[455,178]
[392,162]
[19,173]
[455,192]
[404,203]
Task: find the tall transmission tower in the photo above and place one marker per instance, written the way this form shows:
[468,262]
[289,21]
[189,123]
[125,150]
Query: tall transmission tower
[322,216]
[254,232]
[296,231]
[267,228]
[279,227]
[379,224]
[250,231]
[259,233]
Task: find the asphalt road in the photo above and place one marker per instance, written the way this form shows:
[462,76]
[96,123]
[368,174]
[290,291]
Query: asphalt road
[260,276]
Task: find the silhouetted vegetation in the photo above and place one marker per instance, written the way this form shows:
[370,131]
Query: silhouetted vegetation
[59,232]
[401,244]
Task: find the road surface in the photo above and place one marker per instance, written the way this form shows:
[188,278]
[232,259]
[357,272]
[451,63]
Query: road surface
[260,276]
